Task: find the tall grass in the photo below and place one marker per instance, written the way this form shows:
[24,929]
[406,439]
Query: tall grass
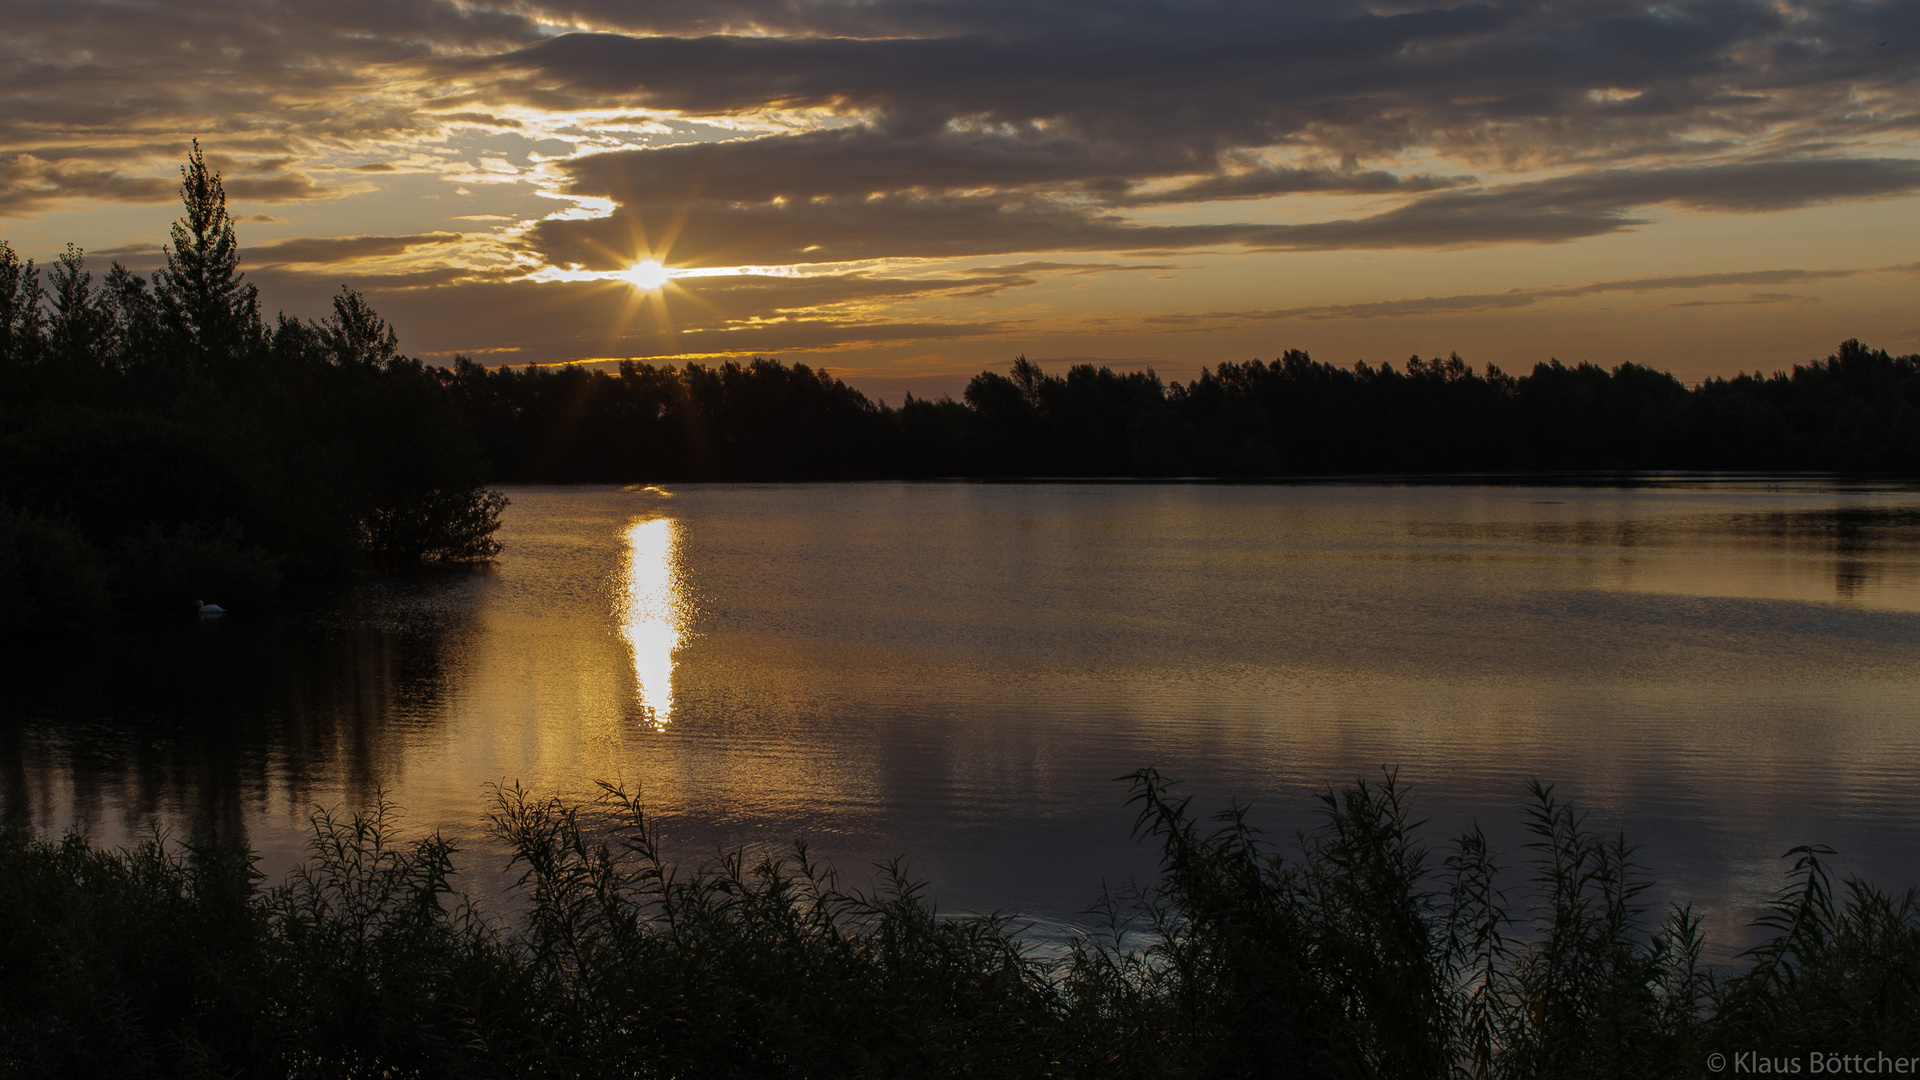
[1354,952]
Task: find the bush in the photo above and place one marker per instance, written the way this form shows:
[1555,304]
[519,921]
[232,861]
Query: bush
[434,526]
[50,577]
[191,564]
[1353,958]
[1840,974]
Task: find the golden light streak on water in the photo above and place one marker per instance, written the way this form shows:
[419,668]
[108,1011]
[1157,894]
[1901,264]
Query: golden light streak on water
[652,609]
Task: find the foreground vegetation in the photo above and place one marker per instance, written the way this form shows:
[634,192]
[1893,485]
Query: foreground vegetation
[1360,954]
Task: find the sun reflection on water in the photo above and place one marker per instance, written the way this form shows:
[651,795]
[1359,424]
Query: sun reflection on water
[652,610]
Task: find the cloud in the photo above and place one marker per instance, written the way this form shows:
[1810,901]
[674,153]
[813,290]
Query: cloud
[135,256]
[1267,182]
[96,82]
[1020,134]
[557,321]
[343,249]
[860,161]
[1000,129]
[1074,269]
[502,302]
[840,230]
[287,187]
[30,183]
[827,227]
[1209,76]
[1743,187]
[289,286]
[1750,300]
[1517,298]
[1129,103]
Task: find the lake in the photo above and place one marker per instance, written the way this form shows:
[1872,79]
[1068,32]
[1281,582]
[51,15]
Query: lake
[957,673]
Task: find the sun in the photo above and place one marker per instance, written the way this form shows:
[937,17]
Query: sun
[648,275]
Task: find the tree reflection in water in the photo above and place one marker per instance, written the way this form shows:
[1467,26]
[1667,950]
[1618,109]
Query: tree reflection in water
[204,727]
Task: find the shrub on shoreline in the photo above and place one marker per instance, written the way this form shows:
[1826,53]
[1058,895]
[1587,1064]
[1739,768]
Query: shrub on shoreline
[1357,956]
[50,577]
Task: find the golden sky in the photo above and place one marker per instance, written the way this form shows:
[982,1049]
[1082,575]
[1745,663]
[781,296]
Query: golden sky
[908,191]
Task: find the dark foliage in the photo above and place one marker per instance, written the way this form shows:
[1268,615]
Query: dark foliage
[1857,411]
[758,421]
[50,577]
[1355,956]
[195,453]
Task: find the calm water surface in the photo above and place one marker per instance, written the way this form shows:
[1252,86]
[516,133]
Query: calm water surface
[958,672]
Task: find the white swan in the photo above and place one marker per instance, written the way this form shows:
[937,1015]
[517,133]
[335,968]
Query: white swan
[207,609]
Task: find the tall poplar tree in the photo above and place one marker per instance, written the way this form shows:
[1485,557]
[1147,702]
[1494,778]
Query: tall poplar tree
[211,313]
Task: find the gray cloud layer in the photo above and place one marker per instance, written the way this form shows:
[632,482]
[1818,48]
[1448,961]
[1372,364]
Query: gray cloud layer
[896,224]
[1520,298]
[976,129]
[344,249]
[990,129]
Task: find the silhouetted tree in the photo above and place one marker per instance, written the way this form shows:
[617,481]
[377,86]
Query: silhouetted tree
[355,336]
[210,312]
[21,319]
[133,318]
[80,324]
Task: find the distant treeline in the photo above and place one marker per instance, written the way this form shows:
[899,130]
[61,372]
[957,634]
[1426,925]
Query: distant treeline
[1360,953]
[1856,411]
[161,444]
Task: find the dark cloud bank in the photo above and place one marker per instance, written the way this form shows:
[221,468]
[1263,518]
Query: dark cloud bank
[988,130]
[976,129]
